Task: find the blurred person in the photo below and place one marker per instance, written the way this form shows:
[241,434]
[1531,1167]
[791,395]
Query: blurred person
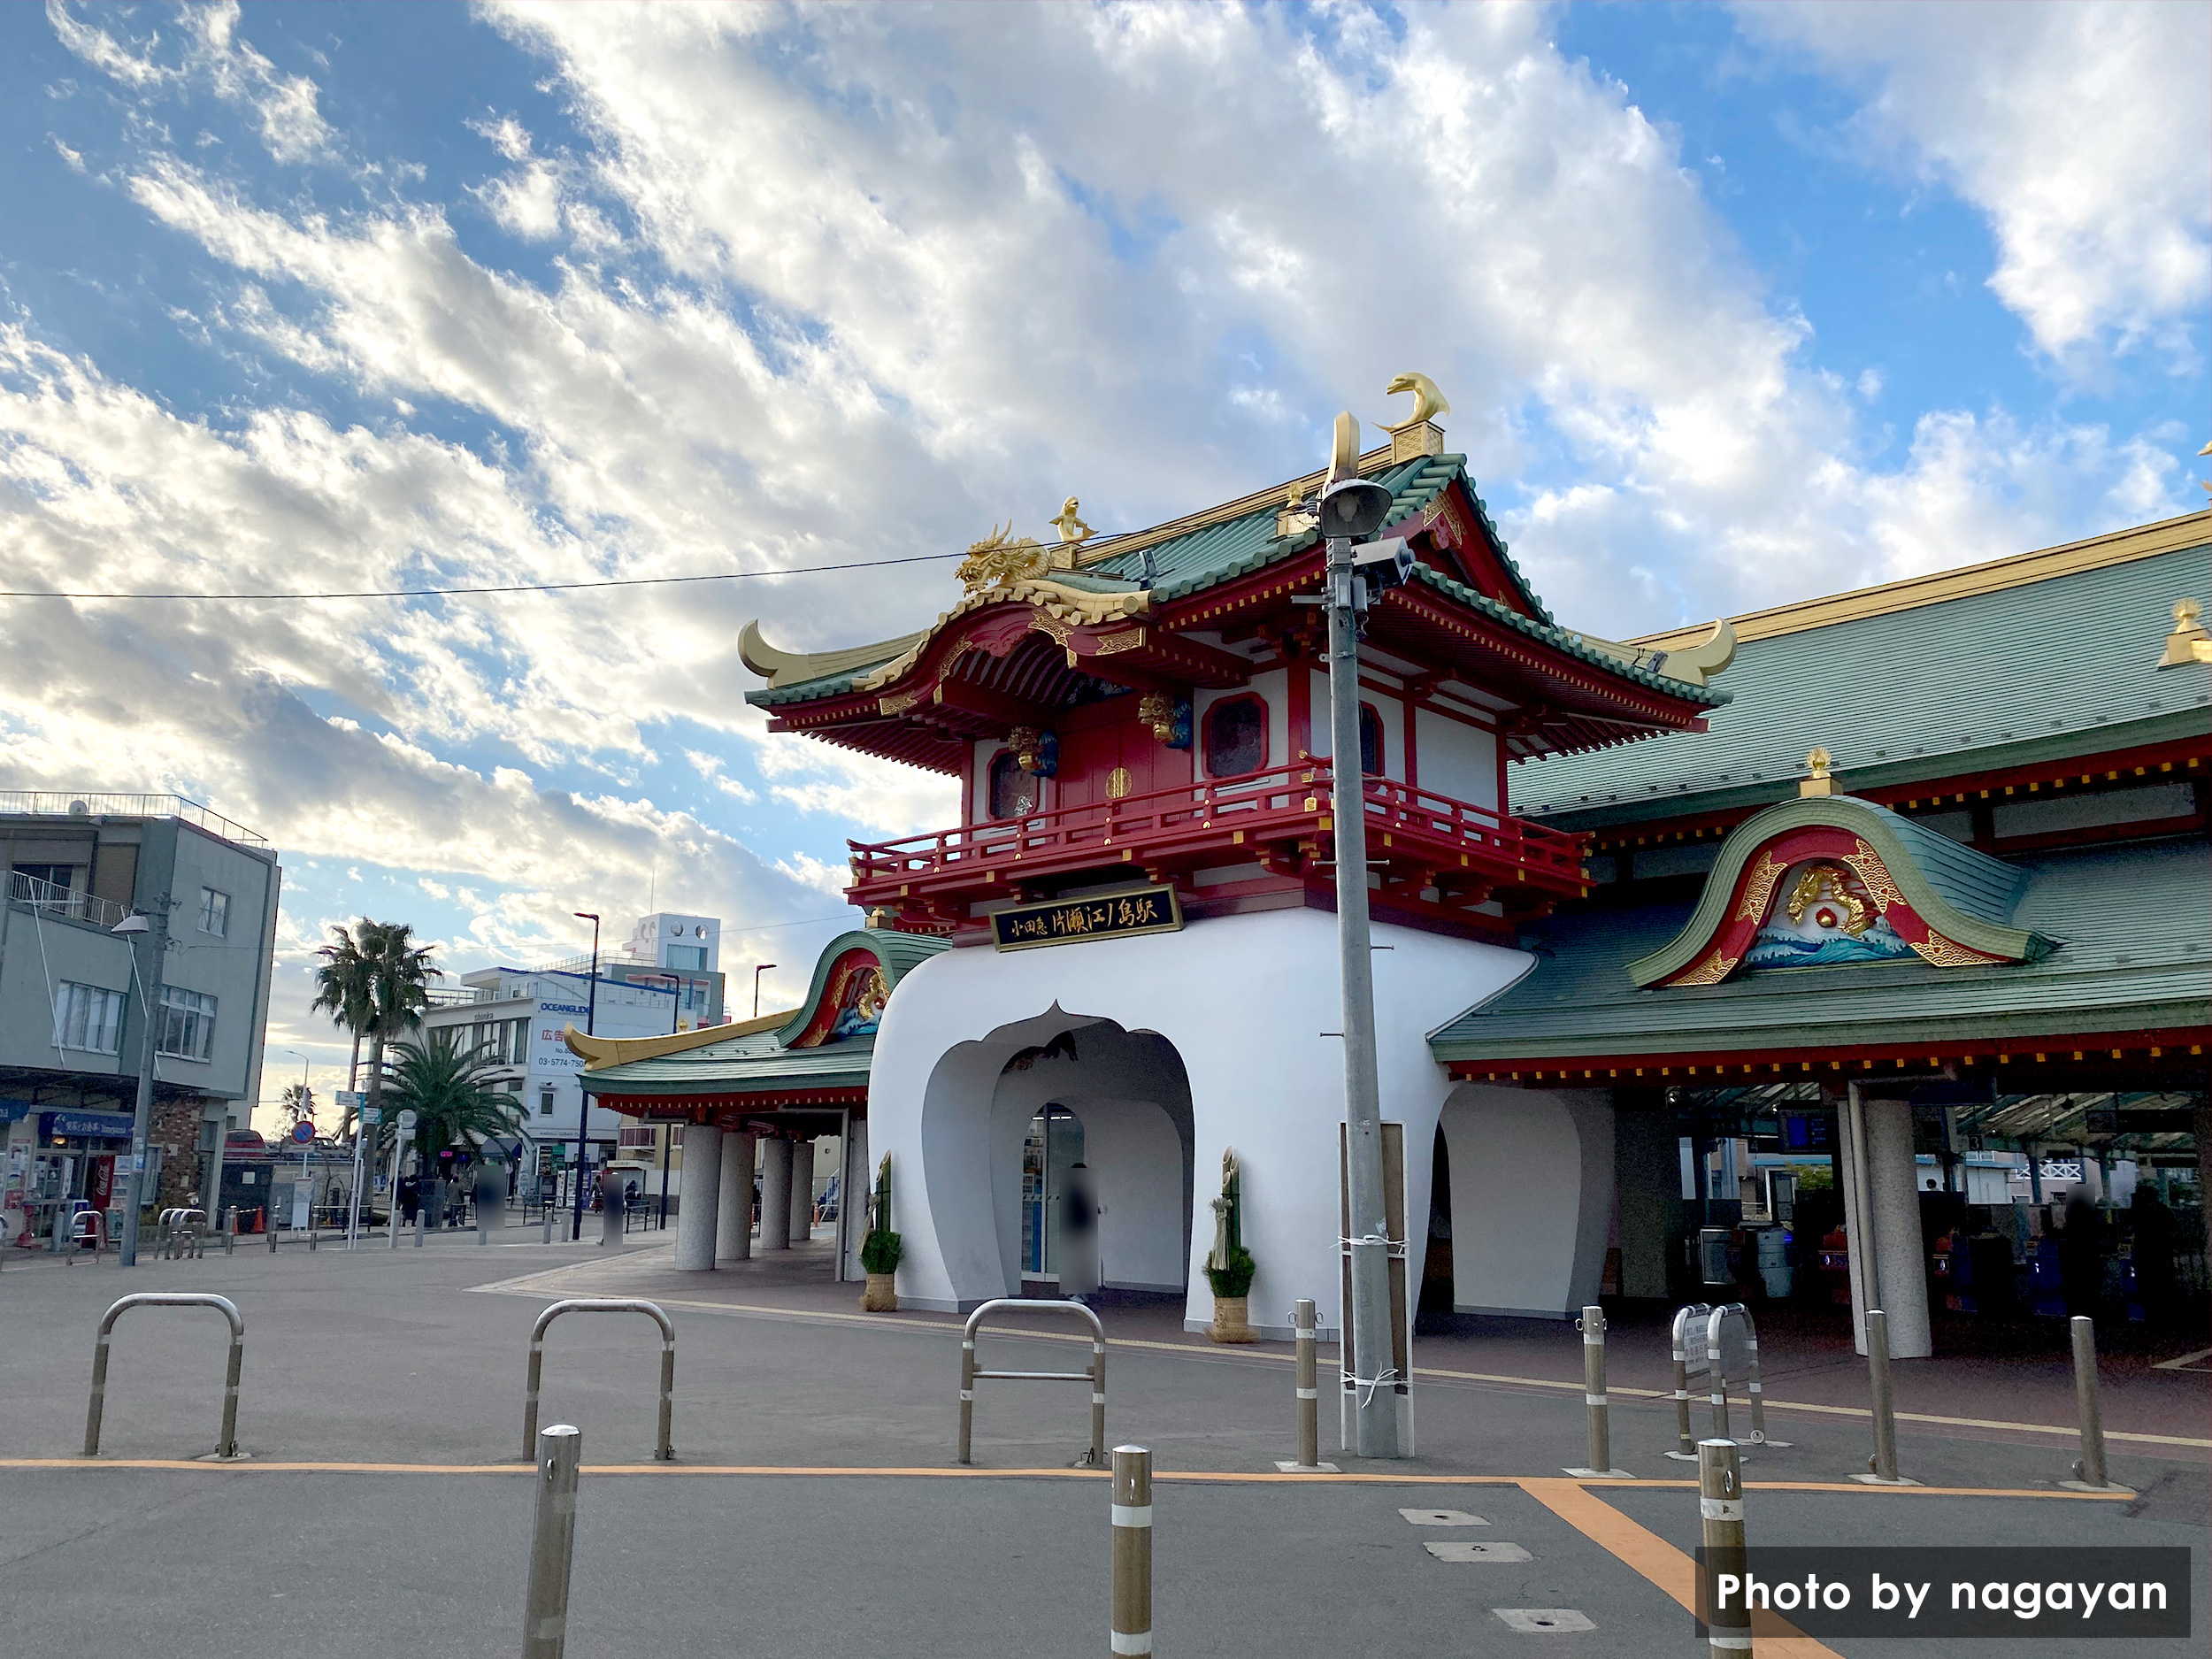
[2153,1252]
[2081,1256]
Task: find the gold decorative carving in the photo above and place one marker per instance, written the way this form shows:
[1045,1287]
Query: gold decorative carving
[898,704]
[1156,710]
[1818,779]
[1826,882]
[1045,622]
[2188,642]
[1073,531]
[1027,741]
[1344,451]
[1712,970]
[1418,434]
[1118,783]
[1874,876]
[1428,403]
[1130,640]
[1760,888]
[999,561]
[1295,516]
[1949,953]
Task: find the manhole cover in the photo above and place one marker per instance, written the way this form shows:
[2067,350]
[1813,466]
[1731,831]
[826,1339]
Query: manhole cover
[1456,1551]
[1543,1621]
[1442,1517]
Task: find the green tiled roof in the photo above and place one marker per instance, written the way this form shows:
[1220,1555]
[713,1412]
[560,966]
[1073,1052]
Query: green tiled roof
[1206,557]
[2136,954]
[2059,665]
[758,1060]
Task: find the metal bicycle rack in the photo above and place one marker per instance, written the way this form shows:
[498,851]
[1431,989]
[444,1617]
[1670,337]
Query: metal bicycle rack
[183,1233]
[1712,1358]
[663,1452]
[228,1446]
[86,1226]
[1096,1376]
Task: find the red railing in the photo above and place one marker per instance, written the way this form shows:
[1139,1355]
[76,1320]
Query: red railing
[1283,803]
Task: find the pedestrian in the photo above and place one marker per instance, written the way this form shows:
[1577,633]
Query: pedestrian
[409,1199]
[2081,1257]
[2154,1255]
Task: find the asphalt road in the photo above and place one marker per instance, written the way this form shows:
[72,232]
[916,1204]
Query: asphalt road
[401,1358]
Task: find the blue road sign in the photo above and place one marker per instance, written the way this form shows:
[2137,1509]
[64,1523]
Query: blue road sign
[304,1131]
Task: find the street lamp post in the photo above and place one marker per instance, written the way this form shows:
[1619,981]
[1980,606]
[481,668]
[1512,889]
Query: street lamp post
[1350,510]
[759,968]
[155,935]
[583,1094]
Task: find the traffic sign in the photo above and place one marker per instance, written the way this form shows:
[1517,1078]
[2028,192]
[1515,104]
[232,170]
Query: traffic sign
[407,1121]
[350,1097]
[304,1131]
[372,1115]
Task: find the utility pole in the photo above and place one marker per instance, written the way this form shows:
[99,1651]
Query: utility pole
[1351,509]
[156,935]
[583,1094]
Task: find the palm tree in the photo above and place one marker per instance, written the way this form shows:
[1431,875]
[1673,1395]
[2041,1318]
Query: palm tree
[297,1104]
[374,981]
[456,1101]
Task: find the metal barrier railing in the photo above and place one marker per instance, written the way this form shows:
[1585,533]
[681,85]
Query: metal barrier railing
[1710,1357]
[1096,1376]
[183,1233]
[86,1226]
[228,1446]
[663,1452]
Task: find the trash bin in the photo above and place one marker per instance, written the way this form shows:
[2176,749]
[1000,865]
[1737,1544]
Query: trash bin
[1770,1255]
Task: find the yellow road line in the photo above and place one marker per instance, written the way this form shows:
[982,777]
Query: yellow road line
[1658,1561]
[1201,1477]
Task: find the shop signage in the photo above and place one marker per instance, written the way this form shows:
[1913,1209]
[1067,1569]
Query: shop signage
[1066,921]
[14,1110]
[85,1126]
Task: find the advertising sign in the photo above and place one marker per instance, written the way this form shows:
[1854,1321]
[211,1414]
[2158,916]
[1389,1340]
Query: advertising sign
[1066,921]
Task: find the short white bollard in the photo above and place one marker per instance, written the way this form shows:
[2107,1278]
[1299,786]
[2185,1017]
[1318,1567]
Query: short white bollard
[1131,1630]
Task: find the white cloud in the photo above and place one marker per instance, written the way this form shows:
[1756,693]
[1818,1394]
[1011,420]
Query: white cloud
[2081,131]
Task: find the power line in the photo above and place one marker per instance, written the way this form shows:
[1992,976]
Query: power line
[518,587]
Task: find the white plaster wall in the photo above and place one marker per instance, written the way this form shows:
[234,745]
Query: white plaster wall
[1531,1198]
[1456,760]
[1244,1000]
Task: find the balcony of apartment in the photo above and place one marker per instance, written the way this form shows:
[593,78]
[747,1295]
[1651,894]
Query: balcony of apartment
[53,902]
[1436,857]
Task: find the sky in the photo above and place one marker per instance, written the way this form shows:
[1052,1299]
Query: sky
[1733,304]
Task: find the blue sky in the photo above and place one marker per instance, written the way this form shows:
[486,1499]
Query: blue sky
[1733,304]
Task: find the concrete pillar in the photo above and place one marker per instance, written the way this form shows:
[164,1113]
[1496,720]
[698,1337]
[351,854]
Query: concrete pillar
[1900,1272]
[733,1232]
[694,1217]
[775,1193]
[802,1190]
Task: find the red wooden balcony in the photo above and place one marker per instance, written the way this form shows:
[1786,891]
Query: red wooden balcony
[1436,857]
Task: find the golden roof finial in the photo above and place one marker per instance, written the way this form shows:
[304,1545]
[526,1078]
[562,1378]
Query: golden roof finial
[1417,434]
[1073,531]
[2188,642]
[1818,779]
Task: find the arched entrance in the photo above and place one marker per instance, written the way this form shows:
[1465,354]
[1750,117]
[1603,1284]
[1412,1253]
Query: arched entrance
[1036,1098]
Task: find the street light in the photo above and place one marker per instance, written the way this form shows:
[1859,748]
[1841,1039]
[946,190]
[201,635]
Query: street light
[1352,508]
[583,1094]
[132,928]
[759,968]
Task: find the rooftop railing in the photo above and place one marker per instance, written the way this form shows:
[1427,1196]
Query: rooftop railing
[73,803]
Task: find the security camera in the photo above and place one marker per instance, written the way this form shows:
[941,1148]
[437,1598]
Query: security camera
[1382,564]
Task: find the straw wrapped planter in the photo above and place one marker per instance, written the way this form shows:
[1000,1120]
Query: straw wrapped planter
[1231,1320]
[882,1294]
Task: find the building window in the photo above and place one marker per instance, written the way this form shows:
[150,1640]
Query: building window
[1013,791]
[214,912]
[545,1102]
[186,1027]
[88,1018]
[687,955]
[1370,741]
[1236,737]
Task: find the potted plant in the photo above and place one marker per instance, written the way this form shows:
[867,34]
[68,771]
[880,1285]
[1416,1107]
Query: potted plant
[881,1250]
[1230,1266]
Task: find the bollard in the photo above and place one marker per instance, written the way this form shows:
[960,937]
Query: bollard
[662,1450]
[272,1230]
[1882,1465]
[419,1228]
[1307,1385]
[1720,1508]
[1752,1387]
[1592,1325]
[1685,1445]
[560,1451]
[2089,1472]
[1132,1621]
[545,1215]
[228,1446]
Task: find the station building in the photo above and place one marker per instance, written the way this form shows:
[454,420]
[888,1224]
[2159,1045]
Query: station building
[1908,868]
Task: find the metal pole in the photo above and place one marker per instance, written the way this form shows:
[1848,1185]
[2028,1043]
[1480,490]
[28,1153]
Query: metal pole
[2090,1472]
[559,1452]
[967,1395]
[1716,1370]
[1861,1238]
[1098,1403]
[353,1207]
[583,1094]
[1375,1403]
[1131,1627]
[1720,1509]
[1592,1325]
[1883,1463]
[1302,1319]
[156,938]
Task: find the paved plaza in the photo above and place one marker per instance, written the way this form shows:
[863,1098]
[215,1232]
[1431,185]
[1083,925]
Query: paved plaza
[814,1508]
